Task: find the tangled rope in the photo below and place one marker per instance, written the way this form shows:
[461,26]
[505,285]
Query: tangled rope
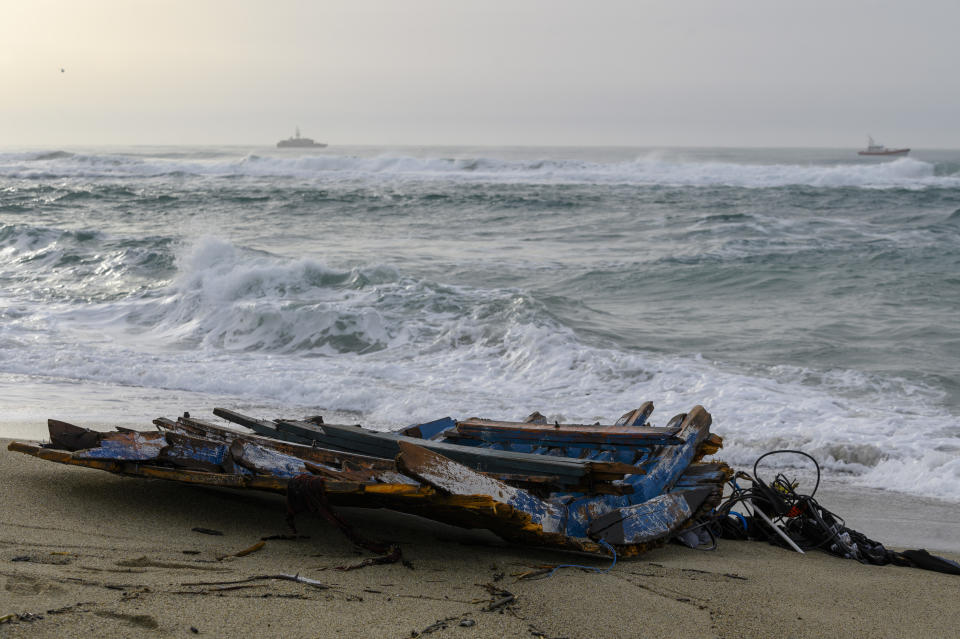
[308,494]
[785,517]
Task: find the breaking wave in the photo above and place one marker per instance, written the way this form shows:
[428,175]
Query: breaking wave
[646,170]
[380,343]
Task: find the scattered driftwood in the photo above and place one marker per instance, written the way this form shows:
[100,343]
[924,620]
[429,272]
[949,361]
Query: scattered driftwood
[501,598]
[205,591]
[70,608]
[297,578]
[246,551]
[499,603]
[390,558]
[20,616]
[443,624]
[146,562]
[533,574]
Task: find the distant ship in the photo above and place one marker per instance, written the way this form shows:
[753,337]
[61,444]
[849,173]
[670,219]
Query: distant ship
[298,142]
[878,149]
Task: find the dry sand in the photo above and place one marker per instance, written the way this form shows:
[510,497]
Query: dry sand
[86,553]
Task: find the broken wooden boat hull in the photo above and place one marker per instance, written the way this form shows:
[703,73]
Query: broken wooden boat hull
[578,487]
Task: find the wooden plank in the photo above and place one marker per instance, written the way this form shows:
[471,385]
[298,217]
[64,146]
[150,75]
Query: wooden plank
[69,437]
[362,475]
[429,467]
[163,422]
[196,453]
[636,417]
[264,461]
[666,464]
[567,469]
[305,431]
[557,440]
[127,446]
[429,430]
[357,440]
[267,461]
[484,460]
[578,435]
[259,426]
[312,453]
[142,470]
[541,484]
[648,521]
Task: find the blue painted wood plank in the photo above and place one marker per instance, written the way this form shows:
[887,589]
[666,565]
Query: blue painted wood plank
[429,430]
[264,461]
[194,452]
[566,434]
[665,465]
[650,520]
[129,446]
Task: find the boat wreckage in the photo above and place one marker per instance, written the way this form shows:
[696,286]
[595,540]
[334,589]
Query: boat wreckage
[630,486]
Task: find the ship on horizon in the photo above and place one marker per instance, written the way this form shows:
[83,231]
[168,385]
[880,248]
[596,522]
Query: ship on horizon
[300,142]
[878,149]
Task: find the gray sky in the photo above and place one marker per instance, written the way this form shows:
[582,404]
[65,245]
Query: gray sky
[646,73]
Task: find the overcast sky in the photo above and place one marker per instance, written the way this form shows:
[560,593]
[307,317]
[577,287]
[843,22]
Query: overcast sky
[524,72]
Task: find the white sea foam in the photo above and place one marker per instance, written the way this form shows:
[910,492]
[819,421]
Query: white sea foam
[302,337]
[650,169]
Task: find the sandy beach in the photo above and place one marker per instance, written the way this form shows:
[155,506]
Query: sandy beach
[84,552]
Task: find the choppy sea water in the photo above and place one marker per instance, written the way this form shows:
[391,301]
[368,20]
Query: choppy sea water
[807,298]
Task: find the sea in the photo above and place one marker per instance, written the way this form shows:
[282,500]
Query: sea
[807,298]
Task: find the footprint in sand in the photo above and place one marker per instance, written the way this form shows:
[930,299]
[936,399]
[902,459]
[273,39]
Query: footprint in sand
[26,585]
[142,621]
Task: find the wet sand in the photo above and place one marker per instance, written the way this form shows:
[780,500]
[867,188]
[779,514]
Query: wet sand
[83,552]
